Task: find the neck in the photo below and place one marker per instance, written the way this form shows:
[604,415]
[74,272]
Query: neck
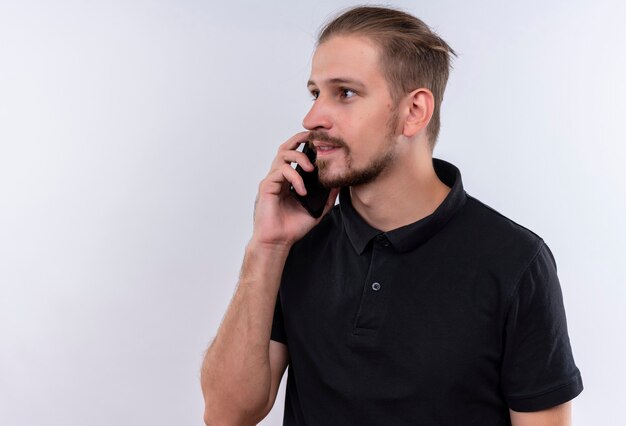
[404,193]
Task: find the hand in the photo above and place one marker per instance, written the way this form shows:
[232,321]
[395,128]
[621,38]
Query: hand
[279,219]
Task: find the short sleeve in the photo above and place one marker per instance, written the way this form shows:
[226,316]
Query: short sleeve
[538,369]
[278,326]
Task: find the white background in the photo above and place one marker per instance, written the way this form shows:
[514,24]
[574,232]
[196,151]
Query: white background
[133,135]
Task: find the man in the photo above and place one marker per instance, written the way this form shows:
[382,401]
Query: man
[408,303]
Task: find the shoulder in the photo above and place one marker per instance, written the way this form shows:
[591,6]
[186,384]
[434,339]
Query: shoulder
[492,229]
[490,241]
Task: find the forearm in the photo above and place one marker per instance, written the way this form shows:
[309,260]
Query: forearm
[235,375]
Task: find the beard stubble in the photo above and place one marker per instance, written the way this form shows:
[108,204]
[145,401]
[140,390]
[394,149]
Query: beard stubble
[364,175]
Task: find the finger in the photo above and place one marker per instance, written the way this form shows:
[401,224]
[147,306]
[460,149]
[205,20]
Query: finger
[282,172]
[282,177]
[289,147]
[294,178]
[297,157]
[278,178]
[271,184]
[294,141]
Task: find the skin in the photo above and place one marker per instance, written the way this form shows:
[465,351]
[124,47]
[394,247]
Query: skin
[560,415]
[359,113]
[353,112]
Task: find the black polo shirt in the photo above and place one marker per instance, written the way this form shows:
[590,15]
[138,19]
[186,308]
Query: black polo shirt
[450,320]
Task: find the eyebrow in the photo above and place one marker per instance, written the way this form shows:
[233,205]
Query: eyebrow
[338,81]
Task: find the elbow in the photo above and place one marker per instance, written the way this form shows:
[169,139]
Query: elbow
[232,404]
[211,419]
[224,414]
[216,413]
[214,418]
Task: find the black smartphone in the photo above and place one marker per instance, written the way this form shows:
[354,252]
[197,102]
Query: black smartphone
[316,195]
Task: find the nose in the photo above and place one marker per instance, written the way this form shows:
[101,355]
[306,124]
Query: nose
[318,117]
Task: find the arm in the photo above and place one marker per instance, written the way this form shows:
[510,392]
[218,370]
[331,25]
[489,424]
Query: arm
[561,415]
[538,373]
[242,367]
[238,375]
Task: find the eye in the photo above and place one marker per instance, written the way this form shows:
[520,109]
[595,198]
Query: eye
[347,93]
[315,94]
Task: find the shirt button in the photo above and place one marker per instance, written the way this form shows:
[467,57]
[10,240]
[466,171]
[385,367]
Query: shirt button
[376,286]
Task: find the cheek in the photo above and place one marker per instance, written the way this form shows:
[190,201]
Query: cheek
[363,129]
[376,116]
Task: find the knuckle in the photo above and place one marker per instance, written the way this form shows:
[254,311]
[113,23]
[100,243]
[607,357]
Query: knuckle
[283,146]
[287,169]
[303,158]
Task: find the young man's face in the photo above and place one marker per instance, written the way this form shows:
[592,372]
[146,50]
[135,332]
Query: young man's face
[353,118]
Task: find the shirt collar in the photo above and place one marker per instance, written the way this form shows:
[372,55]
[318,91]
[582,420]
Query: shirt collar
[410,236]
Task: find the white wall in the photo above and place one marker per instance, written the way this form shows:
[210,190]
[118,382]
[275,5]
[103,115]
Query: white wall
[133,135]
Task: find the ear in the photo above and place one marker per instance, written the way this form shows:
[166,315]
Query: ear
[421,104]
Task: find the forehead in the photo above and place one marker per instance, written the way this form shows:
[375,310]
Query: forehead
[346,57]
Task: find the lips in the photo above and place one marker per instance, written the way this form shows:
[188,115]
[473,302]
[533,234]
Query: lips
[325,146]
[323,149]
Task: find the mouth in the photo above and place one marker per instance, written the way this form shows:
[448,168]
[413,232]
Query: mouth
[325,148]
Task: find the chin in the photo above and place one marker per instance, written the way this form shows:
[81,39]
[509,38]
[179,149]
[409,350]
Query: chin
[331,180]
[328,173]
